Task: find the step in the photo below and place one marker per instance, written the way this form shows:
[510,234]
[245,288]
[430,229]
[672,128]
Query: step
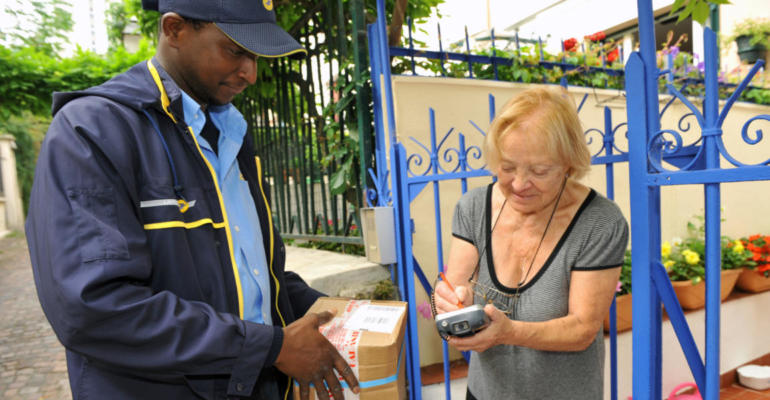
[332,273]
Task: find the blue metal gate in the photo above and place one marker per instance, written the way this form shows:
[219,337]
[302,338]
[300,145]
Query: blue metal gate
[648,146]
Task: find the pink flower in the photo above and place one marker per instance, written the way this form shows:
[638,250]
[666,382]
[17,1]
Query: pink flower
[620,285]
[424,310]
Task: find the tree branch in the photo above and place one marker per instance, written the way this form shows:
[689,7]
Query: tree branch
[397,23]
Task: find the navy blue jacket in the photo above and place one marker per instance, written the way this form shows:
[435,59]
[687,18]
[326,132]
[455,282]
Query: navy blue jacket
[145,299]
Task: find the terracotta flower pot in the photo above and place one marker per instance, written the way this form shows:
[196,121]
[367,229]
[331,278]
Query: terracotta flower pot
[693,297]
[752,281]
[623,307]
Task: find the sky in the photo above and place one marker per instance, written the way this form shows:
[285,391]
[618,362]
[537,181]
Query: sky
[570,18]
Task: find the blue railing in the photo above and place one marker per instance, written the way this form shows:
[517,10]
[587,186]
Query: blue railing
[648,145]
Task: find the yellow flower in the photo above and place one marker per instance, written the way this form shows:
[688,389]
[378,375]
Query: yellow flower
[665,249]
[690,257]
[668,264]
[738,247]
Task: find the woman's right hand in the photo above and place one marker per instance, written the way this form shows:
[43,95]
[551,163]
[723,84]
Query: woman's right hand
[447,300]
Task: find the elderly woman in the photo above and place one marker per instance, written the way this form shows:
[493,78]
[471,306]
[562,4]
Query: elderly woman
[542,251]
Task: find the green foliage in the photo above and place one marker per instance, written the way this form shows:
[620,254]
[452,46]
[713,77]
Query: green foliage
[735,255]
[344,248]
[758,29]
[27,80]
[685,259]
[384,290]
[526,66]
[28,77]
[147,20]
[28,131]
[343,144]
[116,22]
[50,22]
[699,9]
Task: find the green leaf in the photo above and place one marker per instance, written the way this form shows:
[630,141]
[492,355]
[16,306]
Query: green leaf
[337,182]
[700,12]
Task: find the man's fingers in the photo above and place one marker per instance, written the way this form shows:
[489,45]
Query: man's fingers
[304,391]
[347,373]
[334,385]
[320,388]
[326,316]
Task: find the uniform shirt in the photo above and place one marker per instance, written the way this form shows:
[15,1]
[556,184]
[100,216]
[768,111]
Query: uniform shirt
[239,205]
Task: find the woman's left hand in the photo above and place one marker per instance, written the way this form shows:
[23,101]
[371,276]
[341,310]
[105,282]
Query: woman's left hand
[498,328]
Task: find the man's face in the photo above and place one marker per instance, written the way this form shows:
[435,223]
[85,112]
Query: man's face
[213,69]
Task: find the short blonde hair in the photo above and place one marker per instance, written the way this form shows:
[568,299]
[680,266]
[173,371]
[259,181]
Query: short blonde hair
[549,112]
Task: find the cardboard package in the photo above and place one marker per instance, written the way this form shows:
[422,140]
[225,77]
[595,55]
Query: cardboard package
[369,334]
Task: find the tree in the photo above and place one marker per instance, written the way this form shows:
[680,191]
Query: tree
[45,27]
[116,22]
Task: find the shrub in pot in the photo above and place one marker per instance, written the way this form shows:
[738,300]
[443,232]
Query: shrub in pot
[751,35]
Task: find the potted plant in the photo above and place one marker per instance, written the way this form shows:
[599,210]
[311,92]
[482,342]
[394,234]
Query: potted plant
[756,272]
[735,256]
[685,264]
[751,35]
[622,298]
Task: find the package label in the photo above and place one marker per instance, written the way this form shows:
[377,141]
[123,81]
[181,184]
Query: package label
[374,318]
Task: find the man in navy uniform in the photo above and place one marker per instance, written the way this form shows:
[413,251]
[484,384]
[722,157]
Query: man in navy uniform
[154,253]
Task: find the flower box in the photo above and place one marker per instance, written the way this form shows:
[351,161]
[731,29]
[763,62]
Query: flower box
[753,281]
[693,297]
[623,311]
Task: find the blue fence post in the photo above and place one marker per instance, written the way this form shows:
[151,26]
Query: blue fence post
[710,133]
[609,173]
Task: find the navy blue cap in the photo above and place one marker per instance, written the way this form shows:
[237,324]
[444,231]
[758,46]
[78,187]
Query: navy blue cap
[249,23]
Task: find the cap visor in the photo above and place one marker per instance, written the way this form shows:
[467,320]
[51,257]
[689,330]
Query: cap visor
[263,39]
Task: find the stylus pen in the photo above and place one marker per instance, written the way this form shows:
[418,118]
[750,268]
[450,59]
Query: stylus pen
[443,277]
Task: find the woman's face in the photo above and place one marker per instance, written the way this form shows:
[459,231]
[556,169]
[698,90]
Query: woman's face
[528,175]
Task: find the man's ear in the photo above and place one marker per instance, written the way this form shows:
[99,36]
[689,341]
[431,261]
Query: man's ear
[172,26]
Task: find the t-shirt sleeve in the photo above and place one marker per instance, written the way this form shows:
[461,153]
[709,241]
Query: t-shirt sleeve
[462,221]
[605,246]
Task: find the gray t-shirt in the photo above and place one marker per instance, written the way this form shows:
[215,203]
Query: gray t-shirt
[595,239]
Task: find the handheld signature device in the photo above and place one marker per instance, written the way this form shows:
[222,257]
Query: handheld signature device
[463,322]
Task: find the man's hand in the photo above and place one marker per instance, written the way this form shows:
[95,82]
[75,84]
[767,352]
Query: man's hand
[307,356]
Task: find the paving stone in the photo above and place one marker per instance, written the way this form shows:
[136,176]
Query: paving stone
[32,359]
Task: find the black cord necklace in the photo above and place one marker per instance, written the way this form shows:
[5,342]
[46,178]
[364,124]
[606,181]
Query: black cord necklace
[537,249]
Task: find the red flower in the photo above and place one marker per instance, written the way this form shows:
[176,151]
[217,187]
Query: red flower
[613,55]
[596,37]
[570,44]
